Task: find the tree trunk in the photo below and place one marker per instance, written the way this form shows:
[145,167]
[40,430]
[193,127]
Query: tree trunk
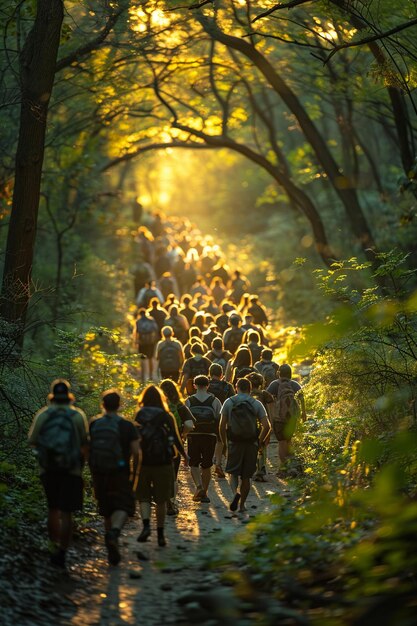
[37,71]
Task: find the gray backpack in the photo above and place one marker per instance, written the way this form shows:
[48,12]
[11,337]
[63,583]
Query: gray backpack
[58,445]
[242,424]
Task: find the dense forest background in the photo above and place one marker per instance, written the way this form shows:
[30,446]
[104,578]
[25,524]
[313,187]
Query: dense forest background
[285,133]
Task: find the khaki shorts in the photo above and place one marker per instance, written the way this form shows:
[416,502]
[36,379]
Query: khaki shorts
[157,482]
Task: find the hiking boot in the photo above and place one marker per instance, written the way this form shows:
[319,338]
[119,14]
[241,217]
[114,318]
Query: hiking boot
[111,540]
[234,503]
[205,498]
[57,558]
[161,538]
[172,508]
[219,471]
[144,535]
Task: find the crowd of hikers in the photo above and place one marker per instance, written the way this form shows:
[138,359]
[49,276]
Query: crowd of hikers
[212,395]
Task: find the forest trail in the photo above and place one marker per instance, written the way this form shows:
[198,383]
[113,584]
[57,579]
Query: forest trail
[146,585]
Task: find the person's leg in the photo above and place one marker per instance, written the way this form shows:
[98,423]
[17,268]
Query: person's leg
[234,484]
[145,513]
[244,491]
[283,451]
[66,530]
[218,458]
[144,369]
[54,525]
[160,521]
[205,478]
[152,368]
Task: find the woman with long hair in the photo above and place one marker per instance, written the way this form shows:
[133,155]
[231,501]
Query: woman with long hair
[159,441]
[240,366]
[185,423]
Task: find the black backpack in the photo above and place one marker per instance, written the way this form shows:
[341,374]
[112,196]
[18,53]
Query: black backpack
[106,454]
[242,424]
[268,371]
[169,357]
[204,414]
[221,389]
[58,445]
[156,438]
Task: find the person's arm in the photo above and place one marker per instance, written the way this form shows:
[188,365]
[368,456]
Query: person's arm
[177,439]
[228,372]
[300,397]
[136,458]
[265,430]
[222,429]
[187,419]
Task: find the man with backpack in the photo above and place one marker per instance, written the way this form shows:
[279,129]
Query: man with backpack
[222,390]
[205,408]
[146,335]
[267,367]
[114,444]
[254,345]
[244,427]
[288,406]
[233,336]
[218,354]
[169,355]
[194,366]
[59,434]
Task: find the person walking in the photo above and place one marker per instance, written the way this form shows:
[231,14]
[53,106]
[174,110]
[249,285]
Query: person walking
[257,381]
[160,442]
[169,355]
[222,390]
[59,435]
[146,336]
[244,427]
[205,408]
[114,449]
[289,406]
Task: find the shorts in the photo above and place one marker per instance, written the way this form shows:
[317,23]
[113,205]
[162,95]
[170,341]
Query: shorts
[114,493]
[64,492]
[284,431]
[157,482]
[241,459]
[147,351]
[201,450]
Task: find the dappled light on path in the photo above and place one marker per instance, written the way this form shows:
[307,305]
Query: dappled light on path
[145,587]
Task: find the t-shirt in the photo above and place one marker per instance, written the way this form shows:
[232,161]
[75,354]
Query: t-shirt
[81,427]
[128,433]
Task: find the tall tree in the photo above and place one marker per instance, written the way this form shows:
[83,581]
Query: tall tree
[37,72]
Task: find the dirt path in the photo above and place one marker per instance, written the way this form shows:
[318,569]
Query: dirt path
[145,587]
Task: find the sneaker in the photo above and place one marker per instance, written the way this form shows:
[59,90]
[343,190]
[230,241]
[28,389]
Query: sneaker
[205,498]
[259,479]
[112,544]
[146,531]
[219,471]
[161,541]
